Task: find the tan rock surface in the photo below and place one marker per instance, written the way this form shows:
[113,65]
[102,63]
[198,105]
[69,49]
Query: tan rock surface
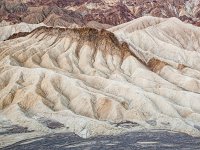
[7,30]
[87,80]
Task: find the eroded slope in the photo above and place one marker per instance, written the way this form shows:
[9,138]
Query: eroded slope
[93,84]
[7,30]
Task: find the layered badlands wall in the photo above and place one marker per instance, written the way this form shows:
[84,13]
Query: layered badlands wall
[93,82]
[91,13]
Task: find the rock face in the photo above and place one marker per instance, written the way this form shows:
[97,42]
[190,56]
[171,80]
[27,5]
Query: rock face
[52,13]
[7,30]
[140,75]
[115,12]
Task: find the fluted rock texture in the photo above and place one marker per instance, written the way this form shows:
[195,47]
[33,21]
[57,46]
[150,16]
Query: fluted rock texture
[7,30]
[144,73]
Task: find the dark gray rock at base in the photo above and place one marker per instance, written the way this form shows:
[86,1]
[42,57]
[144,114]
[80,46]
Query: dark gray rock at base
[129,141]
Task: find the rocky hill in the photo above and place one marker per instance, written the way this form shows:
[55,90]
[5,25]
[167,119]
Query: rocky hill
[78,13]
[141,75]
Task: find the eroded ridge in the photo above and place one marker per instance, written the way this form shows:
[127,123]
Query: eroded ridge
[90,82]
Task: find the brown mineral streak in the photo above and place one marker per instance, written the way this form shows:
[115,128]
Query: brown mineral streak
[156,65]
[17,35]
[181,67]
[93,37]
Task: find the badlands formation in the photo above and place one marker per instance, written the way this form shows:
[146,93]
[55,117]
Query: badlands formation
[7,30]
[98,13]
[141,75]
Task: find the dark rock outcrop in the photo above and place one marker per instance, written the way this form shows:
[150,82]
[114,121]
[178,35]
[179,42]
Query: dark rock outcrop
[80,12]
